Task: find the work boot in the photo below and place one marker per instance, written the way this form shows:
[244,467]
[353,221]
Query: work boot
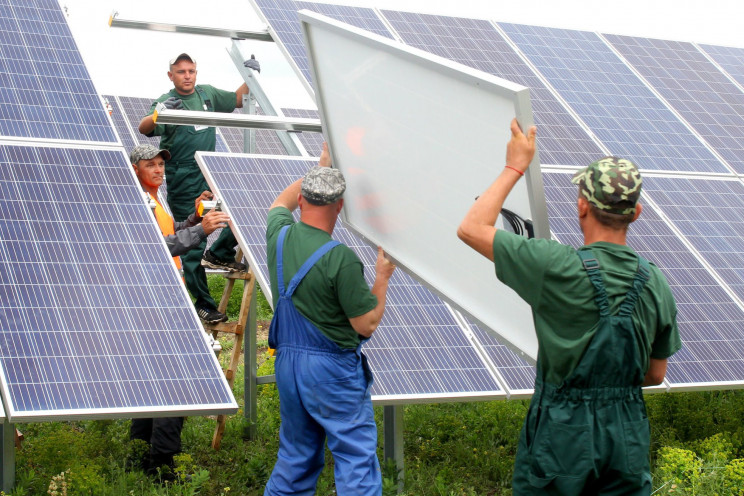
[210,260]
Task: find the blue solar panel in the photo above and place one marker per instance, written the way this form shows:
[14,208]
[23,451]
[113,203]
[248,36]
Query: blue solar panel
[94,318]
[616,105]
[37,47]
[730,58]
[419,350]
[711,322]
[135,109]
[477,44]
[282,17]
[120,123]
[694,87]
[313,142]
[709,215]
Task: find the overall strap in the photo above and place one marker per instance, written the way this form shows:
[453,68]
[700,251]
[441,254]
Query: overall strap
[206,102]
[304,269]
[591,265]
[641,278]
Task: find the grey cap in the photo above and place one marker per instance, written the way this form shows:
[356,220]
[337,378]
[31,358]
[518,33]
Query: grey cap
[146,152]
[183,56]
[323,185]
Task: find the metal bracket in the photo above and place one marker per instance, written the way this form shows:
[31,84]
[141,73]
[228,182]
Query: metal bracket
[115,22]
[162,115]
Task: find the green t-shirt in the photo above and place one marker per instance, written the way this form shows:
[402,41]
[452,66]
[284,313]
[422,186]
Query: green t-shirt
[333,291]
[182,174]
[551,278]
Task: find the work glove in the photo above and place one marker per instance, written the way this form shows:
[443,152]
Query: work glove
[252,63]
[173,103]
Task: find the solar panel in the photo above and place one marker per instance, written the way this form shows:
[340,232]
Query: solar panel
[617,106]
[281,15]
[37,47]
[94,319]
[120,123]
[135,109]
[267,142]
[419,352]
[711,322]
[694,87]
[313,142]
[730,58]
[477,44]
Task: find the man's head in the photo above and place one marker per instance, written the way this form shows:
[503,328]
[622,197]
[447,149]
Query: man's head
[182,72]
[323,186]
[149,166]
[612,186]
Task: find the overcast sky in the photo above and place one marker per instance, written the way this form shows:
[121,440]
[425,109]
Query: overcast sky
[131,62]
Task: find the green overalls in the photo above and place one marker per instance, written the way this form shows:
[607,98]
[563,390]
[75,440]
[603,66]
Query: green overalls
[185,183]
[590,434]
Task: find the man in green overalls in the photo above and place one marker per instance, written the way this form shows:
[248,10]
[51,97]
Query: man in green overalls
[184,179]
[606,323]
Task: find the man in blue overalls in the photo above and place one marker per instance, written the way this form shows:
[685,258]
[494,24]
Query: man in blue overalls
[606,323]
[184,178]
[323,312]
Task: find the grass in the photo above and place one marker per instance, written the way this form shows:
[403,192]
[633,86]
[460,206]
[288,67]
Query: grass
[451,449]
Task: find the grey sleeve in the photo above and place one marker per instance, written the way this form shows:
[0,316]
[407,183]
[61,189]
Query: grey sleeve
[193,220]
[185,240]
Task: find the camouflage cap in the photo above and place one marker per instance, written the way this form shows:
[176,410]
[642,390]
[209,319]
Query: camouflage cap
[611,184]
[323,185]
[146,152]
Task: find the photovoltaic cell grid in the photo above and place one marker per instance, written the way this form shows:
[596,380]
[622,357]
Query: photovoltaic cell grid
[120,123]
[694,87]
[419,349]
[36,47]
[729,58]
[715,226]
[710,321]
[313,142]
[477,44]
[135,109]
[282,17]
[94,320]
[267,141]
[617,106]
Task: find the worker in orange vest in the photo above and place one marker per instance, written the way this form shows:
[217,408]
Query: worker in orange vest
[163,435]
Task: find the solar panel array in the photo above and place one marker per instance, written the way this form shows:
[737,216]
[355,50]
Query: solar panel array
[674,108]
[37,47]
[94,319]
[419,351]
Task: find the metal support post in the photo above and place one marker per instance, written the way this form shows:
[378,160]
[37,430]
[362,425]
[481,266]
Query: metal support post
[9,447]
[392,421]
[250,371]
[249,135]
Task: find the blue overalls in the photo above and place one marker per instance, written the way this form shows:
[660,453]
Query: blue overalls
[590,435]
[324,391]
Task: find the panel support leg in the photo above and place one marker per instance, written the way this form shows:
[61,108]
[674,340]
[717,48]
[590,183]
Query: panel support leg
[392,421]
[250,372]
[9,447]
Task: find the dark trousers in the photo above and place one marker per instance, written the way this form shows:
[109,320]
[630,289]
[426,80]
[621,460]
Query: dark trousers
[163,436]
[194,274]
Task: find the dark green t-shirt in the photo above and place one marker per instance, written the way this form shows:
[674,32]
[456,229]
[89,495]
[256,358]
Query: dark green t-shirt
[333,291]
[551,278]
[193,138]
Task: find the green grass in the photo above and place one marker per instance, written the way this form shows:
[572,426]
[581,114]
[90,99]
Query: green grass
[451,449]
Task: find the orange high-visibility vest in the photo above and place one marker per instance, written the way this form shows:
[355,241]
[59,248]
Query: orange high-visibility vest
[167,227]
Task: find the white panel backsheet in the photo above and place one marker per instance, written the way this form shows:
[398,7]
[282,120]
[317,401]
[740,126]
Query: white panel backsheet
[418,139]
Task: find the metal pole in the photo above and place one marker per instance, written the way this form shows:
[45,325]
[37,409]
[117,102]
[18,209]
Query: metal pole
[250,371]
[392,421]
[8,474]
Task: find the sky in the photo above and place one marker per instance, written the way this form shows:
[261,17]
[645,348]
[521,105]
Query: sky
[132,62]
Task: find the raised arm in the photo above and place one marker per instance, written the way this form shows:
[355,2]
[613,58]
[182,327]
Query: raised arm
[288,197]
[366,324]
[477,228]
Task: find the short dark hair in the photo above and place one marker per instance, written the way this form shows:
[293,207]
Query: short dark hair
[618,222]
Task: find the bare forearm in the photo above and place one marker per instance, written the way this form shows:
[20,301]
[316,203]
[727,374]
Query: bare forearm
[146,125]
[367,324]
[288,197]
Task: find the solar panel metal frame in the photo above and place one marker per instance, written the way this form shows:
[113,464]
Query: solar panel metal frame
[506,316]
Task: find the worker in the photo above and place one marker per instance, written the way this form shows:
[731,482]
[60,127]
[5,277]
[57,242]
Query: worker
[323,312]
[163,435]
[606,324]
[183,177]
